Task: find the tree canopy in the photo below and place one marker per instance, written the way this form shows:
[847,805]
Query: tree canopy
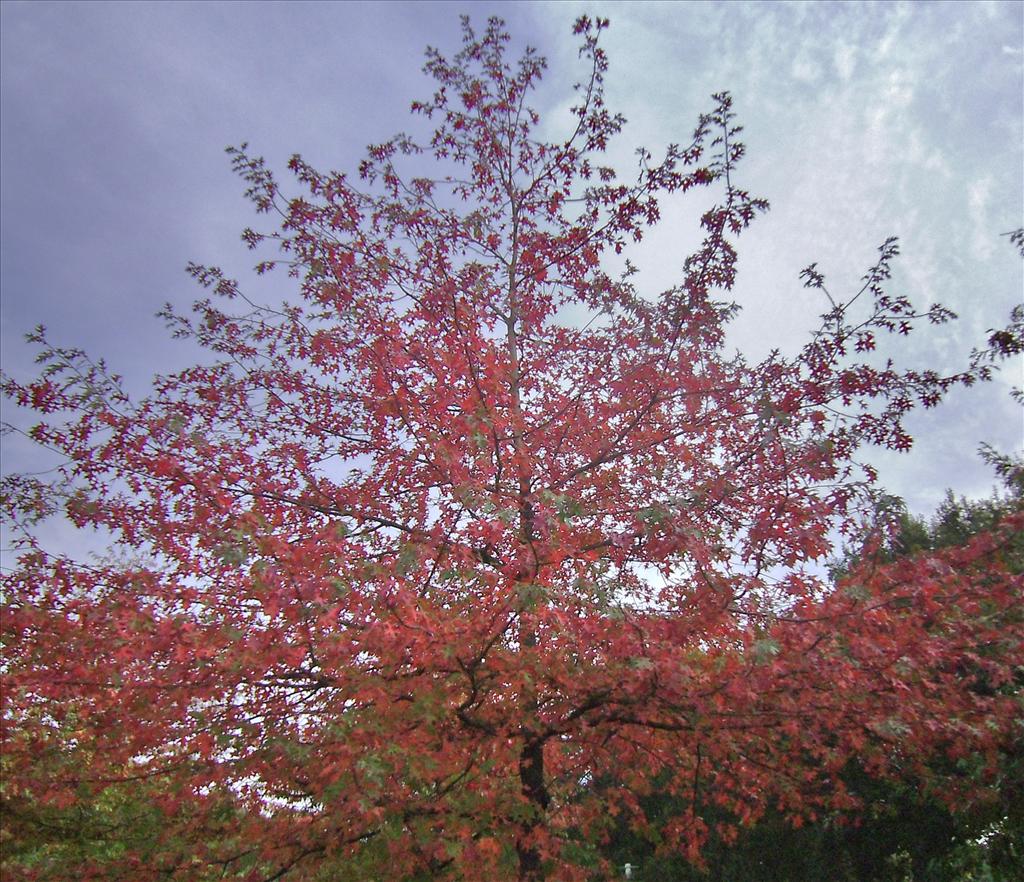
[469,520]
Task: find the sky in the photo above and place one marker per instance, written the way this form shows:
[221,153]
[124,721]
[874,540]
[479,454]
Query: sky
[862,121]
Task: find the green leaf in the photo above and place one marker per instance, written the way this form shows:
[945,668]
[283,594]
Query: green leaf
[764,649]
[530,594]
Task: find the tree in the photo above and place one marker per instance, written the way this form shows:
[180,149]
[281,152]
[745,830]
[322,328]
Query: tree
[424,551]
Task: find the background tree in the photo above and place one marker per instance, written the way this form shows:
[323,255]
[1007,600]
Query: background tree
[425,550]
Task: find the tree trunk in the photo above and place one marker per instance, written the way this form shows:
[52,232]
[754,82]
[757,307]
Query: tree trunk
[531,776]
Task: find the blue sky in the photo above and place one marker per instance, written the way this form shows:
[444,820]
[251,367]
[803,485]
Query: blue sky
[862,121]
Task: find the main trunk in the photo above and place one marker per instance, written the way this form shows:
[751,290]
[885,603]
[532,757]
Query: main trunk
[531,776]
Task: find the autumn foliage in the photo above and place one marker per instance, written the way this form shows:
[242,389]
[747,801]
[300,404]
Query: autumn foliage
[421,555]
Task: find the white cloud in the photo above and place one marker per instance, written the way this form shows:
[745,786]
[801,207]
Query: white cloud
[899,88]
[979,195]
[805,70]
[845,60]
[897,16]
[928,155]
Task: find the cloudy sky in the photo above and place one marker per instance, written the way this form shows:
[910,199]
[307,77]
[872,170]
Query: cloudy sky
[862,121]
